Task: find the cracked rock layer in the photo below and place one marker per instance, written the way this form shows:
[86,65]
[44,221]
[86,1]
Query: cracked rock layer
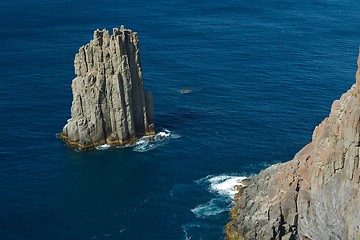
[109,103]
[315,195]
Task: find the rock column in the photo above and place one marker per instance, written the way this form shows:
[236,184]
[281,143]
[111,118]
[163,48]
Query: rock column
[109,103]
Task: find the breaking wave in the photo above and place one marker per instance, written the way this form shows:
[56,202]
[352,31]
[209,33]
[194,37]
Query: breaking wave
[225,185]
[223,189]
[102,147]
[148,143]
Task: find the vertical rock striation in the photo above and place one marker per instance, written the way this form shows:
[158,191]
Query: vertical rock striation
[109,103]
[315,195]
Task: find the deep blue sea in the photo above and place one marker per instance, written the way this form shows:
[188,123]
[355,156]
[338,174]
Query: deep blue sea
[262,75]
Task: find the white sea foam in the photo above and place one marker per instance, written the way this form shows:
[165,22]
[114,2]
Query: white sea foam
[223,188]
[148,143]
[213,207]
[187,227]
[103,147]
[225,184]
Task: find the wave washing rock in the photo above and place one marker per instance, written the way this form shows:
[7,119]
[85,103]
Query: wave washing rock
[109,103]
[315,195]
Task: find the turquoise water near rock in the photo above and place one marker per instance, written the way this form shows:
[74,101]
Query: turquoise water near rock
[262,75]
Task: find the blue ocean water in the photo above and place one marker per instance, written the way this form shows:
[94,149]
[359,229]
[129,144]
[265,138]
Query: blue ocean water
[263,74]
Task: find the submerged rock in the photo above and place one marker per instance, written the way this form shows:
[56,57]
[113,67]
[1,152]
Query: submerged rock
[109,103]
[315,195]
[185,91]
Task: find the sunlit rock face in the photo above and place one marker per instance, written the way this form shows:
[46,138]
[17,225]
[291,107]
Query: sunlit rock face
[315,195]
[109,103]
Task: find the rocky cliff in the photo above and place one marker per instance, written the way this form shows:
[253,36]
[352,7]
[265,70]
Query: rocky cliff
[109,103]
[315,195]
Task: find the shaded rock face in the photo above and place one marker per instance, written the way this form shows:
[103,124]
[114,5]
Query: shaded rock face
[109,103]
[315,195]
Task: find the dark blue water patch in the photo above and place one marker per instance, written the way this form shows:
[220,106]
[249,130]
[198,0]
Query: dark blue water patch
[262,75]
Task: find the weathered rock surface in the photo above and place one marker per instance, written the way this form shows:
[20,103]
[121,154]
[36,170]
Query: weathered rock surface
[315,195]
[109,103]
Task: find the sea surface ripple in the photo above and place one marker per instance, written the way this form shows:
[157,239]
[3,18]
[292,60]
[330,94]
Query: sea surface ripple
[261,75]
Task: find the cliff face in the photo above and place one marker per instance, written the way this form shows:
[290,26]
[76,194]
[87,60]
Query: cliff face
[109,103]
[315,195]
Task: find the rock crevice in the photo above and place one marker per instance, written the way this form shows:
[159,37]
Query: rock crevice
[315,195]
[109,103]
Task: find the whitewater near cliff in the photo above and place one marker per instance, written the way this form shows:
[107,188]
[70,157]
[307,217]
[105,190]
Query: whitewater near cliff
[315,195]
[261,77]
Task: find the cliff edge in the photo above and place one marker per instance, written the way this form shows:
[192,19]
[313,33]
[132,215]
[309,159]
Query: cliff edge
[109,103]
[315,195]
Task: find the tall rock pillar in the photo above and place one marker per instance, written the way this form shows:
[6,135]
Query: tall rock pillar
[109,103]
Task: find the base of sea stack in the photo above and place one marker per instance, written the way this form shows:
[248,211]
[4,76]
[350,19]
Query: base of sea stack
[90,146]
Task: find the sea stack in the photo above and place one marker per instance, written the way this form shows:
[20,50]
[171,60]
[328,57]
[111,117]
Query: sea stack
[314,196]
[109,103]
